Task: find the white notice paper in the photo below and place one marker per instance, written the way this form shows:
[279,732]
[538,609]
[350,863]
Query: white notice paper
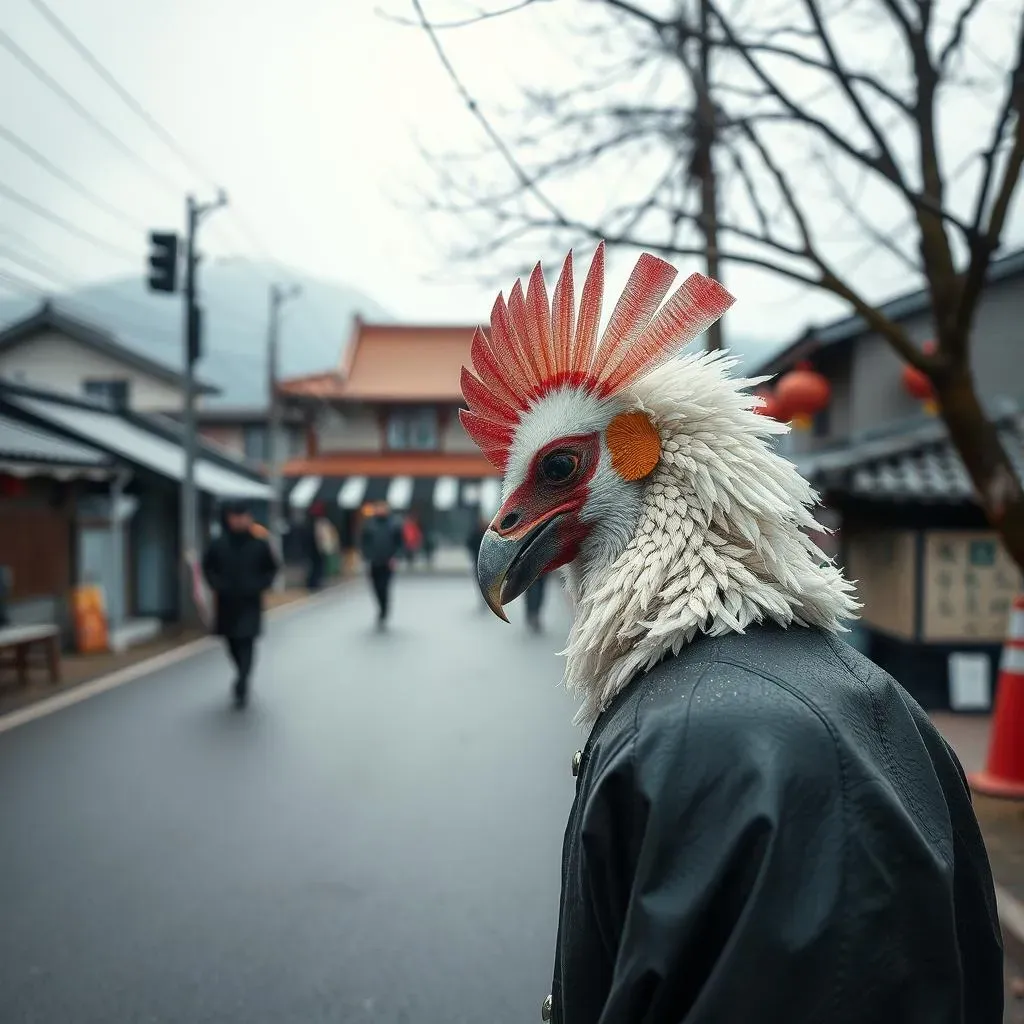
[970,681]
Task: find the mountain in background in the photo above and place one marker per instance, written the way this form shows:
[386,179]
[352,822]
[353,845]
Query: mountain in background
[314,326]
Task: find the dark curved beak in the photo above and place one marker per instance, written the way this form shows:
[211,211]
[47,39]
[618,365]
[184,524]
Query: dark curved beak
[505,568]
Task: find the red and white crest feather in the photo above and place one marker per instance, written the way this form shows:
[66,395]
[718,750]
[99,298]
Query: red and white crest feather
[535,349]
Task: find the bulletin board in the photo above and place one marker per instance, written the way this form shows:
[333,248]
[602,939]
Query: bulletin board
[883,563]
[969,584]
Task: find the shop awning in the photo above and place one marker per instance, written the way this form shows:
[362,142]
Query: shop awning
[402,493]
[130,440]
[27,450]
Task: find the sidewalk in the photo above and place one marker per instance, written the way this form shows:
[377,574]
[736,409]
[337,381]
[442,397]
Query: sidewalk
[77,669]
[1002,823]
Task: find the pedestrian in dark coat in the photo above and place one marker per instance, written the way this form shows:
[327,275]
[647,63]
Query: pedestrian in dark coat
[239,566]
[534,603]
[767,828]
[473,542]
[381,544]
[314,556]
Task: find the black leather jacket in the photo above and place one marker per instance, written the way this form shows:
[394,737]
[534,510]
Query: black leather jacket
[767,828]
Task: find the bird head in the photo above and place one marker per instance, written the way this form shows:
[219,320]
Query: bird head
[647,477]
[550,408]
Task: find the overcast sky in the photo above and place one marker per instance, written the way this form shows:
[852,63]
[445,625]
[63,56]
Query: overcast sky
[309,113]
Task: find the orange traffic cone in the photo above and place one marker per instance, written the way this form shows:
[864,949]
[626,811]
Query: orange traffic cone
[1004,774]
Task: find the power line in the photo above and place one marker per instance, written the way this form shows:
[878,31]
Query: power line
[59,276]
[246,228]
[69,36]
[19,283]
[38,158]
[73,229]
[35,266]
[16,280]
[64,280]
[100,68]
[139,110]
[7,233]
[164,334]
[51,83]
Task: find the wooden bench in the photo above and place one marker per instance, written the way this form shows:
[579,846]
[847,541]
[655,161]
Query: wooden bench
[21,639]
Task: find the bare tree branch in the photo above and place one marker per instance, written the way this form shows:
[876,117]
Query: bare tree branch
[471,103]
[981,252]
[957,35]
[876,162]
[750,189]
[768,221]
[855,77]
[473,19]
[898,15]
[881,239]
[846,84]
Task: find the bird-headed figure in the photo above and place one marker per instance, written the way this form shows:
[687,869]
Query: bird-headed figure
[650,479]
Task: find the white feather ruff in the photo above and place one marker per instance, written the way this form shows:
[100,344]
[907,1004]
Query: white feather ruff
[716,541]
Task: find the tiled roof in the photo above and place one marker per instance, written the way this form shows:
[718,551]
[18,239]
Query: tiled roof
[394,363]
[24,441]
[151,442]
[919,465]
[314,385]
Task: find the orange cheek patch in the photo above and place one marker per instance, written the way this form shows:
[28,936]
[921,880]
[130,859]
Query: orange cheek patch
[634,445]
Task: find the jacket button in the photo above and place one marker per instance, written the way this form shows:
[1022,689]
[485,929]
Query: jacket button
[577,760]
[545,1009]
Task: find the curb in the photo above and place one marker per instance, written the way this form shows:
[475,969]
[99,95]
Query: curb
[1011,919]
[128,674]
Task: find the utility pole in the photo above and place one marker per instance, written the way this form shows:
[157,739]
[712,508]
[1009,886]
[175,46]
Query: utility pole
[278,297]
[703,160]
[193,346]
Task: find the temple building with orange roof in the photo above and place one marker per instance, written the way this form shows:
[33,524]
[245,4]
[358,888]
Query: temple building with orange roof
[384,426]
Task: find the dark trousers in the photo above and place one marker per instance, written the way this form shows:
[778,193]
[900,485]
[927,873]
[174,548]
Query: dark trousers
[380,578]
[315,575]
[535,598]
[241,649]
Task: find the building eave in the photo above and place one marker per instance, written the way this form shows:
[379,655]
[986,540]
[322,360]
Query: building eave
[459,464]
[849,328]
[94,338]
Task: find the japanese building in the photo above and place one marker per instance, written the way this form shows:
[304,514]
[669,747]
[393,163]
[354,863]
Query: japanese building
[384,425]
[934,579]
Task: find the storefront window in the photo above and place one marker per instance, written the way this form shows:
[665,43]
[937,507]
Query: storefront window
[413,430]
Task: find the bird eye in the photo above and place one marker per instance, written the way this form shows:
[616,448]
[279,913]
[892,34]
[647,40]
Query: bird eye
[558,467]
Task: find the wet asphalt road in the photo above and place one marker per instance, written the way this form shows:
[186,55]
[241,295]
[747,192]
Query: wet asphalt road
[376,838]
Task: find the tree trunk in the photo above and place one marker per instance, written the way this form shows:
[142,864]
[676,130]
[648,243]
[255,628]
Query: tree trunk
[976,439]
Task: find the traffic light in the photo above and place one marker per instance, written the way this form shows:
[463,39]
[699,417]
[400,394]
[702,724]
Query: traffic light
[163,261]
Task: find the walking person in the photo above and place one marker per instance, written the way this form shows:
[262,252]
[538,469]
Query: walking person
[412,539]
[239,566]
[429,547]
[534,603]
[314,550]
[473,542]
[381,544]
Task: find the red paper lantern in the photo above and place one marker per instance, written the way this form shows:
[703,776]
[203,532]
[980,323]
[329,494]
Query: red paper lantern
[771,408]
[917,384]
[12,486]
[803,393]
